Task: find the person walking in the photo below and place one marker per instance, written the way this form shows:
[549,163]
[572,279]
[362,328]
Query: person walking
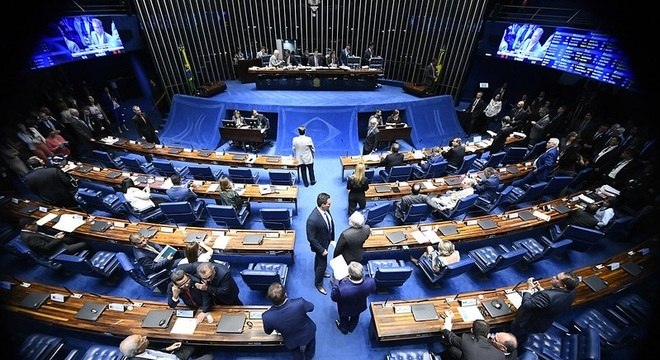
[350,294]
[303,150]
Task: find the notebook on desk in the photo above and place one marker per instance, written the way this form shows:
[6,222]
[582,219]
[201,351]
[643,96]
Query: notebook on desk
[195,237]
[83,169]
[148,232]
[512,169]
[383,189]
[157,319]
[496,308]
[451,181]
[121,142]
[526,215]
[424,312]
[561,208]
[448,230]
[34,300]
[595,283]
[113,174]
[231,324]
[90,311]
[487,224]
[253,239]
[396,237]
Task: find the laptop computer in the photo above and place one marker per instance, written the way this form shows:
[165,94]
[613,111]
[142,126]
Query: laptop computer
[496,308]
[174,150]
[526,215]
[205,153]
[424,312]
[631,268]
[451,181]
[90,311]
[195,237]
[157,319]
[561,208]
[448,230]
[100,226]
[396,237]
[113,174]
[121,142]
[141,180]
[34,300]
[231,324]
[148,145]
[253,239]
[272,159]
[29,209]
[148,232]
[239,157]
[512,169]
[383,189]
[595,283]
[83,169]
[487,224]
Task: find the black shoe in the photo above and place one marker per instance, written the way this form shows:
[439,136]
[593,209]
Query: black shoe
[313,183]
[321,289]
[340,328]
[306,185]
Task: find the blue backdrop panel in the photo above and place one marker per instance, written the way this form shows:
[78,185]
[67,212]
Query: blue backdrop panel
[333,129]
[433,121]
[193,122]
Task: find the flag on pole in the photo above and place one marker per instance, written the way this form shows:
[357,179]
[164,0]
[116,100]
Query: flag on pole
[438,66]
[188,71]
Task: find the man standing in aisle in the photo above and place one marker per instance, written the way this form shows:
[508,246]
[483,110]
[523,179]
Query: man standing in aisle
[144,127]
[370,139]
[320,232]
[303,150]
[350,294]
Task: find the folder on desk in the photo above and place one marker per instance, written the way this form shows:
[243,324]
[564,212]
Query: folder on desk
[561,208]
[595,283]
[90,311]
[526,215]
[100,226]
[383,189]
[231,324]
[195,237]
[497,308]
[83,169]
[34,300]
[487,224]
[113,174]
[631,268]
[396,237]
[157,319]
[451,181]
[174,150]
[253,239]
[448,230]
[424,312]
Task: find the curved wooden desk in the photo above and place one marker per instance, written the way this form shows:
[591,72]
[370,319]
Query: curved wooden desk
[276,243]
[205,189]
[128,322]
[391,326]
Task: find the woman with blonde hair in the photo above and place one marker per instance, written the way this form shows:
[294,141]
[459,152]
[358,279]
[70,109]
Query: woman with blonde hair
[356,185]
[445,254]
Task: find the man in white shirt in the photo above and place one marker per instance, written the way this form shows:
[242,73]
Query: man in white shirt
[135,347]
[303,150]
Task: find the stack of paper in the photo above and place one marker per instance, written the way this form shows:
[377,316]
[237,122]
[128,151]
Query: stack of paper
[541,215]
[184,326]
[221,242]
[428,185]
[339,267]
[69,222]
[470,313]
[419,236]
[431,236]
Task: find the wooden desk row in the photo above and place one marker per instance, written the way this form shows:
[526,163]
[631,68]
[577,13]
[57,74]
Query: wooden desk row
[228,241]
[205,189]
[440,185]
[201,156]
[412,157]
[391,326]
[129,321]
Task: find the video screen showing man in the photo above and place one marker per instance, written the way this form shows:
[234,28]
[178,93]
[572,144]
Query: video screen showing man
[86,35]
[524,41]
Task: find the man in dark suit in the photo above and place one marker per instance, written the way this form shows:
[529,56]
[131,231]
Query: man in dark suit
[315,59]
[455,154]
[183,286]
[180,192]
[370,139]
[47,245]
[289,318]
[499,141]
[394,158]
[540,307]
[51,184]
[144,127]
[487,188]
[619,174]
[136,347]
[145,253]
[607,156]
[475,111]
[350,294]
[425,165]
[469,346]
[367,54]
[320,228]
[543,165]
[351,240]
[344,54]
[216,280]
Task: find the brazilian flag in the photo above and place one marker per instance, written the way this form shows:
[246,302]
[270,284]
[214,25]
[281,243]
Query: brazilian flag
[190,79]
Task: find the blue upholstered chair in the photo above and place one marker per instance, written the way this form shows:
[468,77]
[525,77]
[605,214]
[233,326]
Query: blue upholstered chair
[226,215]
[19,248]
[583,238]
[436,169]
[468,161]
[612,334]
[89,199]
[415,213]
[260,276]
[452,270]
[559,344]
[183,212]
[281,177]
[167,168]
[134,164]
[119,200]
[243,175]
[514,155]
[536,250]
[388,272]
[411,354]
[102,264]
[519,196]
[102,352]
[155,281]
[204,172]
[534,152]
[488,259]
[376,213]
[40,347]
[555,186]
[396,173]
[278,219]
[488,206]
[493,160]
[460,210]
[107,160]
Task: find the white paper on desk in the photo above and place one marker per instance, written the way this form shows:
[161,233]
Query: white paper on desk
[515,299]
[46,219]
[542,216]
[371,158]
[431,236]
[585,199]
[69,223]
[428,185]
[419,236]
[220,242]
[213,187]
[339,267]
[470,313]
[167,184]
[418,154]
[403,184]
[251,158]
[184,326]
[610,190]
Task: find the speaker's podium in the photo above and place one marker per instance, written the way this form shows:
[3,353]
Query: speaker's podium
[210,89]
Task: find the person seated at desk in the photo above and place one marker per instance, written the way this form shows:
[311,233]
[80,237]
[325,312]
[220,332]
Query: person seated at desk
[445,254]
[263,121]
[289,59]
[394,158]
[229,196]
[594,216]
[275,60]
[145,253]
[455,153]
[378,115]
[435,157]
[332,60]
[239,120]
[315,59]
[136,347]
[401,207]
[183,286]
[395,119]
[488,186]
[47,245]
[449,199]
[198,251]
[139,199]
[180,192]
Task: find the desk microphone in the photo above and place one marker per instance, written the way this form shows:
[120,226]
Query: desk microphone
[518,284]
[67,289]
[129,301]
[385,303]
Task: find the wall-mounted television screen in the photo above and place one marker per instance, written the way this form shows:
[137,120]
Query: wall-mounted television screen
[74,38]
[581,52]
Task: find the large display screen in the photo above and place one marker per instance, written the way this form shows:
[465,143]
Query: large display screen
[85,37]
[581,52]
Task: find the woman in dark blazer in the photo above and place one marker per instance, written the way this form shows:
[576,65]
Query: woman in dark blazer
[357,184]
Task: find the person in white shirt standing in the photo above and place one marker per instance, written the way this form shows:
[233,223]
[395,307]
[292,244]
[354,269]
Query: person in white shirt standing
[303,150]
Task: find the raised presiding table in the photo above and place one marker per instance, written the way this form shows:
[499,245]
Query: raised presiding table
[277,244]
[394,319]
[389,133]
[205,189]
[120,317]
[315,78]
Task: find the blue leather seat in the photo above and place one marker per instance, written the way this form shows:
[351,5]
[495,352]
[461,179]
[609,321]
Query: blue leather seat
[102,352]
[167,168]
[260,276]
[488,259]
[558,344]
[435,170]
[118,200]
[583,238]
[461,209]
[414,354]
[488,206]
[226,215]
[612,334]
[535,150]
[452,270]
[279,219]
[204,172]
[396,173]
[519,196]
[243,175]
[40,347]
[415,213]
[493,160]
[468,160]
[133,164]
[155,281]
[183,212]
[635,308]
[556,185]
[514,155]
[89,199]
[536,251]
[376,213]
[578,181]
[107,160]
[103,264]
[281,177]
[389,272]
[19,248]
